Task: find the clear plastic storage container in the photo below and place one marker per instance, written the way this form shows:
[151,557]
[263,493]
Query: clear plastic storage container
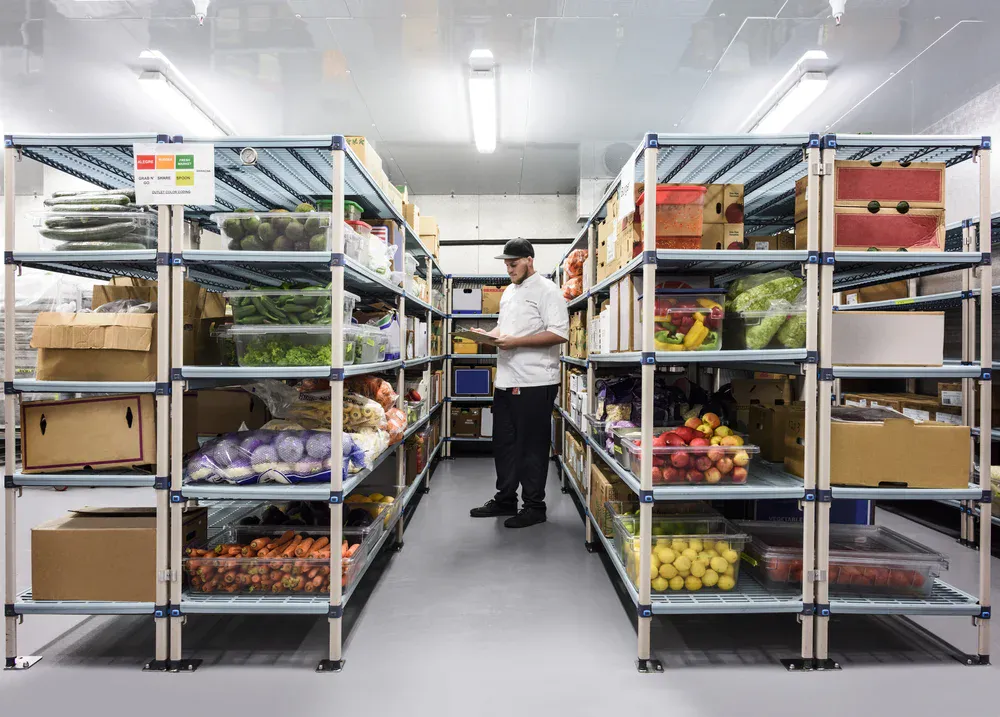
[689,554]
[712,465]
[617,437]
[410,262]
[864,559]
[679,215]
[270,345]
[628,511]
[351,337]
[770,329]
[688,319]
[372,505]
[286,306]
[275,231]
[355,245]
[352,211]
[231,561]
[371,344]
[95,230]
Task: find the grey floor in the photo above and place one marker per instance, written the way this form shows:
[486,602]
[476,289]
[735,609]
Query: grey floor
[471,618]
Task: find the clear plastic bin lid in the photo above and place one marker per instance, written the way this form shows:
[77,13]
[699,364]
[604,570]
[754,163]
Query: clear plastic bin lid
[243,293]
[264,329]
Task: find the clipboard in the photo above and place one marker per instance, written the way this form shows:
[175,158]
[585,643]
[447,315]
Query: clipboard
[475,336]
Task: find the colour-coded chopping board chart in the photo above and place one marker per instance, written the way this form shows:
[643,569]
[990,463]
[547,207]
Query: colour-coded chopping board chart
[174,174]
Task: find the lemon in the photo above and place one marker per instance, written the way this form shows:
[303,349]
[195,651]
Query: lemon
[388,499]
[659,584]
[666,555]
[712,552]
[667,571]
[677,583]
[696,545]
[683,573]
[679,546]
[375,498]
[729,572]
[654,563]
[692,583]
[726,583]
[710,578]
[731,556]
[682,563]
[719,564]
[722,546]
[698,568]
[690,554]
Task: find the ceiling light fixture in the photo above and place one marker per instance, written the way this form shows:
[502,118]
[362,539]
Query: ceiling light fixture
[483,100]
[162,81]
[795,91]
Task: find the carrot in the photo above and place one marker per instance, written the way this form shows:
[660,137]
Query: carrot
[255,579]
[277,588]
[229,577]
[289,550]
[235,551]
[302,550]
[317,581]
[353,549]
[275,576]
[197,583]
[313,573]
[321,543]
[258,543]
[286,536]
[310,588]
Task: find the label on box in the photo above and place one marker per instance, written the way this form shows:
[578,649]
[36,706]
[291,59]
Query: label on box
[852,299]
[626,186]
[174,174]
[612,243]
[951,398]
[916,414]
[951,418]
[761,246]
[858,404]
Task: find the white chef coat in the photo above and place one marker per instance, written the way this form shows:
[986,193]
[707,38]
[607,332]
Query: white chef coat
[534,306]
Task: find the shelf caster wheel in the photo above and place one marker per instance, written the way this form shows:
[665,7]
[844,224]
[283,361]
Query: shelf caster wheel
[157,666]
[331,665]
[647,666]
[591,547]
[183,665]
[21,663]
[397,547]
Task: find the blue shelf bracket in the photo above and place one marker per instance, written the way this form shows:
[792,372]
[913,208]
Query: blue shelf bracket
[829,141]
[161,611]
[335,611]
[337,142]
[648,358]
[177,498]
[336,374]
[649,257]
[651,140]
[646,496]
[986,374]
[822,609]
[644,611]
[336,497]
[162,389]
[814,141]
[337,260]
[161,483]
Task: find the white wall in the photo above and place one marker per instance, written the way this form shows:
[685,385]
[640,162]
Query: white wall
[477,217]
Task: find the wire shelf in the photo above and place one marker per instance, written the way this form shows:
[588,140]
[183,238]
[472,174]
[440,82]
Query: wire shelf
[25,604]
[929,302]
[944,599]
[85,479]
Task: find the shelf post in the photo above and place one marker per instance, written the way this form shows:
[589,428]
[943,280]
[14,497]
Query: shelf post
[335,662]
[448,285]
[400,392]
[968,385]
[985,399]
[428,372]
[648,369]
[590,266]
[819,421]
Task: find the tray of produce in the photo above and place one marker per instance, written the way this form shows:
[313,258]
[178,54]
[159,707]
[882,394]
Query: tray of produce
[378,506]
[689,554]
[864,559]
[305,229]
[274,345]
[273,560]
[700,451]
[95,227]
[688,319]
[781,327]
[286,306]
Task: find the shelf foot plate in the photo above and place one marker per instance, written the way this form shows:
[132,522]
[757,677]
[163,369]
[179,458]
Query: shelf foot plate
[331,665]
[591,547]
[397,547]
[25,662]
[810,665]
[184,665]
[157,666]
[646,667]
[977,660]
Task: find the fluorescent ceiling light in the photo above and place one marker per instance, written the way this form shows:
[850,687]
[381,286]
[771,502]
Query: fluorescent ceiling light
[483,100]
[161,80]
[795,91]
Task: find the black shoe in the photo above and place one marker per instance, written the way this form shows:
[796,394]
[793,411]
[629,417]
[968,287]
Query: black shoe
[492,509]
[526,517]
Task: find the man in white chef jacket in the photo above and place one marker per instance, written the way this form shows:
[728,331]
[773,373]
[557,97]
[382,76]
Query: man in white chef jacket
[533,323]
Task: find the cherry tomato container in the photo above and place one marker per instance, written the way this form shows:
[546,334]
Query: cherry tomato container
[688,319]
[679,215]
[864,559]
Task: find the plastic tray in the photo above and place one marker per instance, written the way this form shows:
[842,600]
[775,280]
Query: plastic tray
[713,539]
[371,344]
[362,228]
[95,231]
[355,245]
[689,319]
[273,345]
[864,559]
[383,511]
[628,511]
[711,465]
[239,574]
[286,306]
[275,231]
[766,329]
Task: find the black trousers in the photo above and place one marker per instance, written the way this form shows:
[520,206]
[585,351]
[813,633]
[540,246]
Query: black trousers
[522,426]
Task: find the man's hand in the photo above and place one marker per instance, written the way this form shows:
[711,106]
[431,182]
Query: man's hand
[504,341]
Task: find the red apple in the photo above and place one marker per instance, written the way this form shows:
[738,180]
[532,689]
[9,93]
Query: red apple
[712,420]
[725,465]
[660,441]
[712,475]
[657,476]
[739,475]
[686,433]
[695,476]
[672,439]
[741,458]
[692,423]
[702,463]
[899,579]
[680,459]
[672,475]
[699,442]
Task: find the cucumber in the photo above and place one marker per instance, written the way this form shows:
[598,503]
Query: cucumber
[86,222]
[96,206]
[130,193]
[100,246]
[117,199]
[102,233]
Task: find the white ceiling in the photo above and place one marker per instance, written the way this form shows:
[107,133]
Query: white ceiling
[574,75]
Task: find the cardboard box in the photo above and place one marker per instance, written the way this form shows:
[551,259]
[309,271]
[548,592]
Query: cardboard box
[366,154]
[428,225]
[950,394]
[466,422]
[95,347]
[106,554]
[888,338]
[491,299]
[780,242]
[761,391]
[874,447]
[894,290]
[722,236]
[97,433]
[226,411]
[605,256]
[605,486]
[466,300]
[462,345]
[724,204]
[486,422]
[411,214]
[885,185]
[857,229]
[767,425]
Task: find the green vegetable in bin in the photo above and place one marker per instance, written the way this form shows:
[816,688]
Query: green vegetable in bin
[792,334]
[280,224]
[312,226]
[305,207]
[252,243]
[233,229]
[318,242]
[760,297]
[291,308]
[760,335]
[283,352]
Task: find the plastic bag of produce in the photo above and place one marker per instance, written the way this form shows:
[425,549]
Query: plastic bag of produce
[265,457]
[761,326]
[792,334]
[127,306]
[396,422]
[573,265]
[753,293]
[573,288]
[361,413]
[379,256]
[372,444]
[373,387]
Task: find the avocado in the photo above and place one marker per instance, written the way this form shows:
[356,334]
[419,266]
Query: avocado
[295,231]
[233,228]
[250,225]
[252,243]
[234,245]
[313,226]
[280,223]
[283,243]
[305,207]
[317,242]
[266,232]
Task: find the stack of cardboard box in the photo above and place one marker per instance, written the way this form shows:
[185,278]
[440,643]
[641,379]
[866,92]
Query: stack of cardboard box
[605,486]
[577,336]
[367,155]
[430,235]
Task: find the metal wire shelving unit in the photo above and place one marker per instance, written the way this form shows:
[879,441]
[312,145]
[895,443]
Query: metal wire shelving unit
[769,167]
[279,172]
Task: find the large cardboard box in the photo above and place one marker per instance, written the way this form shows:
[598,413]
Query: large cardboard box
[779,242]
[102,554]
[428,225]
[491,299]
[892,291]
[876,447]
[227,410]
[95,347]
[466,421]
[767,425]
[724,204]
[605,486]
[760,391]
[411,214]
[888,338]
[882,185]
[606,255]
[722,236]
[365,152]
[858,229]
[97,433]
